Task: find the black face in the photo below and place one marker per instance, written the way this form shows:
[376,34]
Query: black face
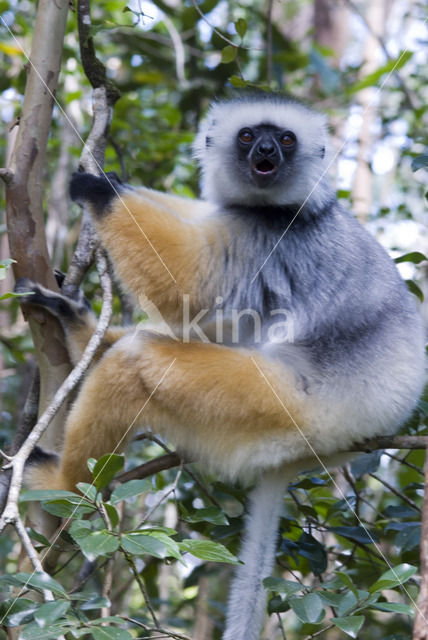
[264,152]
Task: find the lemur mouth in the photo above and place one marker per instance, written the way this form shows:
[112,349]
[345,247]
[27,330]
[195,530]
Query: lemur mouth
[265,167]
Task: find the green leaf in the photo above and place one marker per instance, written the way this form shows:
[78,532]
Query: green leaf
[37,580]
[139,544]
[367,463]
[17,611]
[47,494]
[130,489]
[112,514]
[50,612]
[394,577]
[241,27]
[308,608]
[314,551]
[394,607]
[210,514]
[88,490]
[372,78]
[12,294]
[350,625]
[209,551]
[359,534]
[53,632]
[283,586]
[97,543]
[97,602]
[228,54]
[37,537]
[348,602]
[236,81]
[66,508]
[414,256]
[409,537]
[277,605]
[417,291]
[5,266]
[106,468]
[110,633]
[420,162]
[346,580]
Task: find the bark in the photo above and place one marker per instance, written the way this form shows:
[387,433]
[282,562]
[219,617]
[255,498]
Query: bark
[24,196]
[363,181]
[420,631]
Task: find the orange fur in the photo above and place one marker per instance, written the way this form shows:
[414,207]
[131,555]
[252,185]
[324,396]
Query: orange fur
[178,255]
[208,399]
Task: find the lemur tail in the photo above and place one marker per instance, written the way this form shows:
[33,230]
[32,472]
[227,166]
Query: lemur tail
[247,594]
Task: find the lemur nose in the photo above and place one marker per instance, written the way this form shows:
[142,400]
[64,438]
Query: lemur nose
[266,148]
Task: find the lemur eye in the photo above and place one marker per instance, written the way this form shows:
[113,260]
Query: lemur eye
[288,139]
[246,136]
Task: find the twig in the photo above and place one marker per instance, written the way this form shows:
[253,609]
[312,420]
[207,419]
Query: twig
[405,462]
[269,43]
[142,586]
[392,442]
[32,554]
[395,491]
[382,45]
[108,574]
[281,627]
[170,634]
[27,422]
[320,632]
[420,629]
[157,504]
[147,469]
[10,514]
[216,31]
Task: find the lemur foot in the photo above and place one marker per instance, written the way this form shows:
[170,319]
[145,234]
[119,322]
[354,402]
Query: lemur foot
[64,308]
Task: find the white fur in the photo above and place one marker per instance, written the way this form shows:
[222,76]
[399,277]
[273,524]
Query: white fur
[222,124]
[248,596]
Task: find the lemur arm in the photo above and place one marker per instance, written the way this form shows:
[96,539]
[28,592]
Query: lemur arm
[76,317]
[157,253]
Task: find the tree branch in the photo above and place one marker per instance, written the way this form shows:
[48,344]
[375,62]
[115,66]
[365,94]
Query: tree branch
[420,629]
[10,514]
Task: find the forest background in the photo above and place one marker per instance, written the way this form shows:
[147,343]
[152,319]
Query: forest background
[154,556]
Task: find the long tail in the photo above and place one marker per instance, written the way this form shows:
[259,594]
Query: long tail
[247,598]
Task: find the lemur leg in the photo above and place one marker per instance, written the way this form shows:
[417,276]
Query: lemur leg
[75,316]
[209,400]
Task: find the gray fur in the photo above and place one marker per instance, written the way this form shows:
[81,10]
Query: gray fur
[357,340]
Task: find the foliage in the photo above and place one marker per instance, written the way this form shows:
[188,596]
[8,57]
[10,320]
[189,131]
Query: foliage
[349,546]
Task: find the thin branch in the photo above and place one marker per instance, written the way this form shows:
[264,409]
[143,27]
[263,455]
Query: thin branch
[281,626]
[395,491]
[142,586]
[147,469]
[420,630]
[32,554]
[10,513]
[403,85]
[320,632]
[405,462]
[269,42]
[392,442]
[170,634]
[164,496]
[216,31]
[27,422]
